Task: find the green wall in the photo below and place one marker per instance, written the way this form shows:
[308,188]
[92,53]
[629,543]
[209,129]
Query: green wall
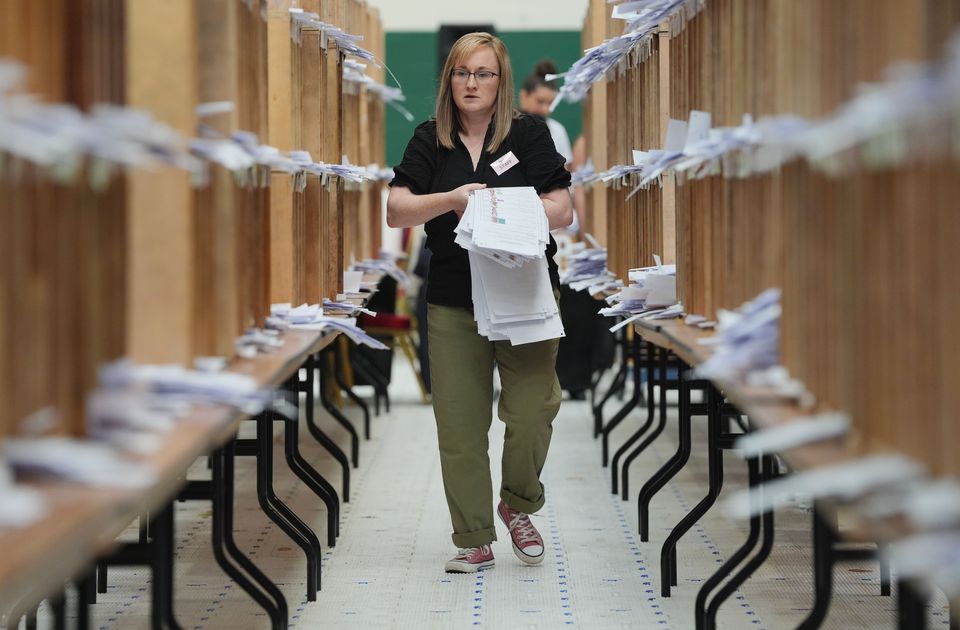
[413,58]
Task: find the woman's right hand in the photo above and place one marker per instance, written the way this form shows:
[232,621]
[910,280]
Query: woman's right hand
[459,196]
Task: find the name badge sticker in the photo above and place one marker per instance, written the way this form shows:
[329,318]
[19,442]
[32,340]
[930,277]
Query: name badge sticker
[505,163]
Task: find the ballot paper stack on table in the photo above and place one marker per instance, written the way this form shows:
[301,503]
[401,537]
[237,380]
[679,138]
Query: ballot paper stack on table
[20,505]
[505,232]
[652,294]
[386,264]
[311,317]
[747,340]
[587,269]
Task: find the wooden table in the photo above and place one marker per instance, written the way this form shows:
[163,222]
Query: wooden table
[767,409]
[84,521]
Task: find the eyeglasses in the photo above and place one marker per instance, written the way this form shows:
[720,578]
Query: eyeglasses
[482,76]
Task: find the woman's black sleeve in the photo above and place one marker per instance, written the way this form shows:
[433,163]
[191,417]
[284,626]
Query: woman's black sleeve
[544,167]
[415,171]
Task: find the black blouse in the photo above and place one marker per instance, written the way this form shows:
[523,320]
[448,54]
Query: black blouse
[429,168]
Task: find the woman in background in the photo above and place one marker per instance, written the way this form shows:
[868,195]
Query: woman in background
[578,310]
[536,96]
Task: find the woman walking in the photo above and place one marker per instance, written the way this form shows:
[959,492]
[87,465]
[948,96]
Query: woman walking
[447,158]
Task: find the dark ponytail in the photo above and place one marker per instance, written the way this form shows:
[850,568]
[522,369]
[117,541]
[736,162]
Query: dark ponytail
[537,78]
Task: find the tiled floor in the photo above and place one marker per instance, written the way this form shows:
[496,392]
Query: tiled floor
[387,568]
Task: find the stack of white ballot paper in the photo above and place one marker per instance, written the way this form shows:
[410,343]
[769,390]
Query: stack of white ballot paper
[505,232]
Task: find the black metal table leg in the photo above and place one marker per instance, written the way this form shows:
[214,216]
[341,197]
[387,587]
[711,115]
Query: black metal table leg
[668,553]
[161,613]
[629,406]
[672,466]
[343,420]
[322,438]
[313,479]
[595,379]
[748,569]
[303,469]
[308,385]
[158,555]
[58,607]
[86,592]
[278,512]
[638,435]
[661,423]
[824,538]
[911,608]
[225,549]
[885,581]
[144,527]
[373,376]
[738,556]
[338,374]
[619,382]
[102,577]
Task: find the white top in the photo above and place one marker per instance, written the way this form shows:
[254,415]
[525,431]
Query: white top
[560,139]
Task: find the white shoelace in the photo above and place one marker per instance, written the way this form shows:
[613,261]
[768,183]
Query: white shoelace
[464,554]
[526,532]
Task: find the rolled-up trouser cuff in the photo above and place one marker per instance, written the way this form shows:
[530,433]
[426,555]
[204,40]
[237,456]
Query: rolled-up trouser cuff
[475,539]
[523,505]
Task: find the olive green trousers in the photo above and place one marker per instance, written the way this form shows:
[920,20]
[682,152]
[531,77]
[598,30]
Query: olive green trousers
[461,374]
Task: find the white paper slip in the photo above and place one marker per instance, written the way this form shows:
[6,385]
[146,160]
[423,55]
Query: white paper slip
[351,281]
[933,557]
[845,481]
[626,322]
[662,290]
[83,461]
[793,434]
[676,136]
[697,129]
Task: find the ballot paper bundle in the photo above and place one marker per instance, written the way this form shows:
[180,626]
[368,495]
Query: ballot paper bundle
[652,294]
[311,317]
[84,461]
[348,309]
[587,269]
[177,383]
[387,264]
[747,340]
[19,505]
[506,225]
[505,233]
[643,19]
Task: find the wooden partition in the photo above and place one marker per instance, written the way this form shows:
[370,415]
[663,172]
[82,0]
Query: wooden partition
[642,225]
[353,95]
[378,139]
[595,125]
[373,141]
[63,277]
[152,263]
[280,134]
[159,223]
[309,116]
[869,308]
[332,209]
[231,244]
[629,113]
[253,196]
[216,254]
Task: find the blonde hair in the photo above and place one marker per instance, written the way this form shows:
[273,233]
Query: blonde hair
[503,114]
